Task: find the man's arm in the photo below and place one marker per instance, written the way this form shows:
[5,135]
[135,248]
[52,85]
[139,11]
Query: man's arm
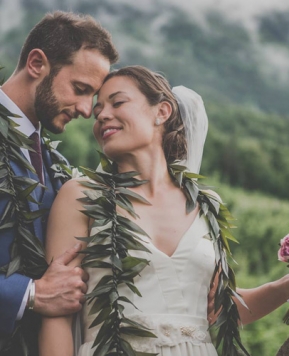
[59,292]
[12,290]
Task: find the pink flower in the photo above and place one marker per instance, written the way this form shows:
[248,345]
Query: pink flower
[283,253]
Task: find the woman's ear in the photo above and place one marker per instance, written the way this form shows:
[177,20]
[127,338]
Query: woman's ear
[164,111]
[37,64]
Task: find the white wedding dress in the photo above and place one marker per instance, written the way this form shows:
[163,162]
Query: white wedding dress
[174,298]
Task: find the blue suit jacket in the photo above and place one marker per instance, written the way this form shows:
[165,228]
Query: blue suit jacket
[12,289]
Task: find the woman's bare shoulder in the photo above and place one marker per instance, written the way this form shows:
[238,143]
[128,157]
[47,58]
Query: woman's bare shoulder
[74,184]
[75,188]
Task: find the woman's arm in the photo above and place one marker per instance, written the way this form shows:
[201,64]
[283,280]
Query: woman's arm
[65,223]
[263,300]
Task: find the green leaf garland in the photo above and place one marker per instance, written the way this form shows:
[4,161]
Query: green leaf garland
[109,248]
[219,219]
[27,252]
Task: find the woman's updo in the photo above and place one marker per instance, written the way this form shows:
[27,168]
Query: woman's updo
[157,89]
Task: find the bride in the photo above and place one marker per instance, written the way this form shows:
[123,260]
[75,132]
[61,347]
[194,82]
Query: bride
[144,126]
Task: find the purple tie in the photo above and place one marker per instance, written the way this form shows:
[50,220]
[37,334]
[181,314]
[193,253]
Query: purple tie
[36,157]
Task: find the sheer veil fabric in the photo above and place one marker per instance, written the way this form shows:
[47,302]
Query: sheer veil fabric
[194,116]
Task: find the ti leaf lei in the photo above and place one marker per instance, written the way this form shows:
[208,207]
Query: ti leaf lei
[109,249]
[27,252]
[218,217]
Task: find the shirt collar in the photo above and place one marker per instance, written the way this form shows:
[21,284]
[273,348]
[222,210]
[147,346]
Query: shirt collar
[25,125]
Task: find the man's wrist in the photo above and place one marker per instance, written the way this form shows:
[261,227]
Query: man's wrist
[31,296]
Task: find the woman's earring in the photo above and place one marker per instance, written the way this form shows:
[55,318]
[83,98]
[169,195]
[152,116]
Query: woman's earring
[158,121]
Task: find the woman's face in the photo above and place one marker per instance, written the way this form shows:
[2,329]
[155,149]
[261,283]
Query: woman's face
[125,122]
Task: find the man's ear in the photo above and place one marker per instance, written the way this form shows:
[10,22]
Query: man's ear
[37,64]
[164,111]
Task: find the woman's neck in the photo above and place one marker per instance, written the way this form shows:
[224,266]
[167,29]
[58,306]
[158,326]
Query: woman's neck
[151,167]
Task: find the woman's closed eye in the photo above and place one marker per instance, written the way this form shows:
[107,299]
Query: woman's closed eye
[117,104]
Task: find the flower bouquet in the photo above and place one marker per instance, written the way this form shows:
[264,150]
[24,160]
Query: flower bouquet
[283,255]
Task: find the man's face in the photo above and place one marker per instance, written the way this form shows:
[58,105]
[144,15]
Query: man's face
[70,92]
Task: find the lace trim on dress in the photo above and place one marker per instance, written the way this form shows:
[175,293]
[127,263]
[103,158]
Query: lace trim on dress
[170,330]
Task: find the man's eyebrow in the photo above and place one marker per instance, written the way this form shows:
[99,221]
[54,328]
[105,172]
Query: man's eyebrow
[109,97]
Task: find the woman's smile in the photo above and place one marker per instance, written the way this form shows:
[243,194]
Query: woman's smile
[108,131]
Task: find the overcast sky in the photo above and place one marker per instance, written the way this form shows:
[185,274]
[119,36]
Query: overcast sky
[244,10]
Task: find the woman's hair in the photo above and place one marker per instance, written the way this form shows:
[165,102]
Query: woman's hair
[61,34]
[157,89]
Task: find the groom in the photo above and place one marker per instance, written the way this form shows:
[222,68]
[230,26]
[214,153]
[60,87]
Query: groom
[61,67]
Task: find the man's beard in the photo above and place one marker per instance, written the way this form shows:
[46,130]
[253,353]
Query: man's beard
[46,104]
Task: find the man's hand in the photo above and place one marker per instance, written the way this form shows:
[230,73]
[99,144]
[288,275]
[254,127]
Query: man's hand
[61,289]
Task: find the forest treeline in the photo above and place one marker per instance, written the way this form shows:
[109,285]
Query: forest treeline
[244,147]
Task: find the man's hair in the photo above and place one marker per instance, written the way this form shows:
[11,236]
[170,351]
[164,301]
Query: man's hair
[61,34]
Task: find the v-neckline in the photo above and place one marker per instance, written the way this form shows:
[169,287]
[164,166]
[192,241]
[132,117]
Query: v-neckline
[180,241]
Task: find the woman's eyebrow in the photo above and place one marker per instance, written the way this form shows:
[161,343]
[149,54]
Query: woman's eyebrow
[109,97]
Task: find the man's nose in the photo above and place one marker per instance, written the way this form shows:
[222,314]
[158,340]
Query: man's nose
[84,107]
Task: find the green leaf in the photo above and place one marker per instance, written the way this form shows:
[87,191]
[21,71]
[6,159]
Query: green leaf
[113,297]
[130,262]
[96,264]
[177,167]
[18,157]
[126,347]
[132,244]
[134,323]
[98,304]
[4,126]
[7,225]
[103,314]
[191,175]
[26,192]
[100,290]
[130,225]
[5,112]
[126,300]
[126,175]
[92,175]
[32,215]
[136,332]
[124,205]
[226,233]
[13,266]
[133,288]
[102,349]
[105,163]
[132,194]
[214,223]
[131,184]
[116,262]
